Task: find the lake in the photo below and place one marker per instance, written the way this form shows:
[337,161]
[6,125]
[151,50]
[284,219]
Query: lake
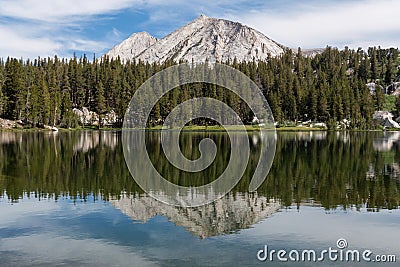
[68,198]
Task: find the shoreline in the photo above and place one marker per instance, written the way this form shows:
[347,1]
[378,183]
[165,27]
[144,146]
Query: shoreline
[249,128]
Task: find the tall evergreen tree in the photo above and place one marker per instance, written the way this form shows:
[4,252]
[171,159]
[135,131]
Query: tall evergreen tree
[67,116]
[389,74]
[379,98]
[3,99]
[100,106]
[397,103]
[14,89]
[374,64]
[44,101]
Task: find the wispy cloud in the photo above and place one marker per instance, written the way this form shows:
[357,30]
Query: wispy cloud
[58,10]
[32,28]
[18,42]
[355,23]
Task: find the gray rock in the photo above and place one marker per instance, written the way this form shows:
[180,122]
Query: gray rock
[311,52]
[373,87]
[343,124]
[110,118]
[319,125]
[381,116]
[390,123]
[87,117]
[9,124]
[80,115]
[133,46]
[385,118]
[393,89]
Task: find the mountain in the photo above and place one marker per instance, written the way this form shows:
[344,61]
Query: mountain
[229,214]
[204,38]
[311,52]
[133,46]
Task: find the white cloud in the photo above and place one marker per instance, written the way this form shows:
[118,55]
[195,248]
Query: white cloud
[358,23]
[19,44]
[11,214]
[79,44]
[30,28]
[42,40]
[58,10]
[54,249]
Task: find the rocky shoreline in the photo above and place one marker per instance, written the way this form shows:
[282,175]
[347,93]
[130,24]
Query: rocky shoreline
[86,118]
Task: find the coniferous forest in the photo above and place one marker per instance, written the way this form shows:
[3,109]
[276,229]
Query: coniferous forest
[328,87]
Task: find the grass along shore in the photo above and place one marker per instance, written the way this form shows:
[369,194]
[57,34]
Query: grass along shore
[8,125]
[194,128]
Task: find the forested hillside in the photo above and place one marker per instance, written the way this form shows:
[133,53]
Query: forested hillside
[327,88]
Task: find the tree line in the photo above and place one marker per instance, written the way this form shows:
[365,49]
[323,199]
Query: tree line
[328,87]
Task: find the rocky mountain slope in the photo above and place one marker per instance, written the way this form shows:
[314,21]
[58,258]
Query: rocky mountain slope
[133,46]
[204,38]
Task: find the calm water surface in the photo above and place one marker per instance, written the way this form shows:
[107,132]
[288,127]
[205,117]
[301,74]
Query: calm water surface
[68,199]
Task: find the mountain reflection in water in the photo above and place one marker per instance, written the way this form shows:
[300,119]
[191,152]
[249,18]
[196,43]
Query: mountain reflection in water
[344,169]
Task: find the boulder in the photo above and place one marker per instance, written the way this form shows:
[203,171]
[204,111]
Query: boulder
[9,124]
[52,128]
[86,112]
[255,120]
[93,118]
[373,87]
[110,118]
[393,89]
[79,114]
[381,116]
[390,123]
[87,117]
[306,123]
[319,125]
[343,124]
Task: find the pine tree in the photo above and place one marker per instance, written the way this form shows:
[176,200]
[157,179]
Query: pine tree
[366,105]
[34,108]
[379,97]
[313,106]
[398,105]
[67,116]
[100,106]
[44,103]
[3,99]
[14,89]
[322,88]
[364,69]
[389,74]
[374,64]
[55,98]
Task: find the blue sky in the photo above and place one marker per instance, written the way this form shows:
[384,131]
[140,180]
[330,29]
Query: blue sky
[31,28]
